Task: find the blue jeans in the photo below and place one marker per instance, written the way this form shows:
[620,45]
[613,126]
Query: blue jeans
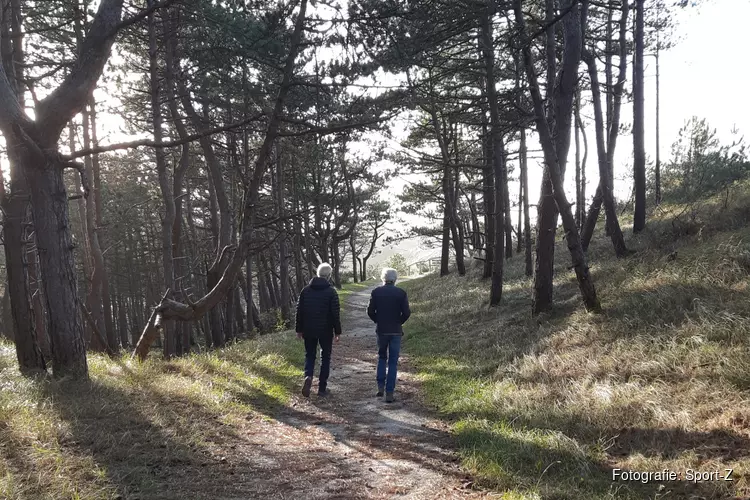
[311,351]
[389,347]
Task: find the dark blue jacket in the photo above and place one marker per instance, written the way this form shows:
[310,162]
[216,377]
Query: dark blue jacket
[389,309]
[318,310]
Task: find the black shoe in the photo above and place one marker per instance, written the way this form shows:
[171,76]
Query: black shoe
[323,393]
[380,392]
[306,387]
[389,397]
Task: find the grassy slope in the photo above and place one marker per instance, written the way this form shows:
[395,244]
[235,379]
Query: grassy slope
[546,407]
[63,440]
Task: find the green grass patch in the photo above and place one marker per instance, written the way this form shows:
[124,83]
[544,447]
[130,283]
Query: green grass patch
[546,407]
[349,288]
[112,436]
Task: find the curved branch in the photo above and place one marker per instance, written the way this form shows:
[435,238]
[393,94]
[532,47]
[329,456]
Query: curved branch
[164,144]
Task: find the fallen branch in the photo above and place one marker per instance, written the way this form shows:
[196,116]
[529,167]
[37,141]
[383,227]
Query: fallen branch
[150,331]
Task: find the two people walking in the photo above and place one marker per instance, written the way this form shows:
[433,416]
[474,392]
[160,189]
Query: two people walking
[318,323]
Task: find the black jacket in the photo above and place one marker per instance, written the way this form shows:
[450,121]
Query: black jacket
[389,309]
[318,310]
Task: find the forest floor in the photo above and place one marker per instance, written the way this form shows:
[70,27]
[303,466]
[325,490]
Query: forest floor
[229,424]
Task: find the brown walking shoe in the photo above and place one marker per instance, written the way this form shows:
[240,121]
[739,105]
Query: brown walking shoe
[306,387]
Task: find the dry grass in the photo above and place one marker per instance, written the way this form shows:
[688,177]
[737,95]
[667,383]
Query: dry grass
[137,430]
[546,407]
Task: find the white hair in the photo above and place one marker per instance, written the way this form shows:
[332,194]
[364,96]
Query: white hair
[325,270]
[388,275]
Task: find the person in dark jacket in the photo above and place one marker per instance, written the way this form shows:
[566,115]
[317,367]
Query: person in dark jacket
[318,322]
[389,309]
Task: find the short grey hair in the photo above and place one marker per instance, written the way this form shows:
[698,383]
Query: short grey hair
[389,275]
[325,270]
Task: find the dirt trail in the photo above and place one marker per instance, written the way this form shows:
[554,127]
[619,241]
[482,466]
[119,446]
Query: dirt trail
[350,445]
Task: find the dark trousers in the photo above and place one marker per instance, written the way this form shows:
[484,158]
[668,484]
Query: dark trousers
[311,351]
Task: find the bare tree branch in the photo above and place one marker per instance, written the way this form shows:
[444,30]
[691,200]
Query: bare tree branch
[166,144]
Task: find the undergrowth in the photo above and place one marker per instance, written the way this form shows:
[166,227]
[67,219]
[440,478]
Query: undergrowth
[547,406]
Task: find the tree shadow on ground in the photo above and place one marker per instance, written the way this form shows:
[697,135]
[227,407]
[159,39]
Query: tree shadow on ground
[376,438]
[174,447]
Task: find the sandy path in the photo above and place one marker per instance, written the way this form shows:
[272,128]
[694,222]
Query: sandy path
[349,445]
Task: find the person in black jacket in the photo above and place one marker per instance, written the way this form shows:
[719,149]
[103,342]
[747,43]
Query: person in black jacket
[389,309]
[318,323]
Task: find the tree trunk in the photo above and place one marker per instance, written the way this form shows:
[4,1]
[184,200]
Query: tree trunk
[15,206]
[555,152]
[219,202]
[297,239]
[547,215]
[36,289]
[354,258]
[488,197]
[336,266]
[95,300]
[92,342]
[579,199]
[109,319]
[447,191]
[57,265]
[308,243]
[229,318]
[498,152]
[181,265]
[657,167]
[529,268]
[6,315]
[445,246]
[283,255]
[519,233]
[268,281]
[508,226]
[165,184]
[523,176]
[547,210]
[264,301]
[581,208]
[476,230]
[241,318]
[249,294]
[639,147]
[273,278]
[496,289]
[457,236]
[609,52]
[592,217]
[604,191]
